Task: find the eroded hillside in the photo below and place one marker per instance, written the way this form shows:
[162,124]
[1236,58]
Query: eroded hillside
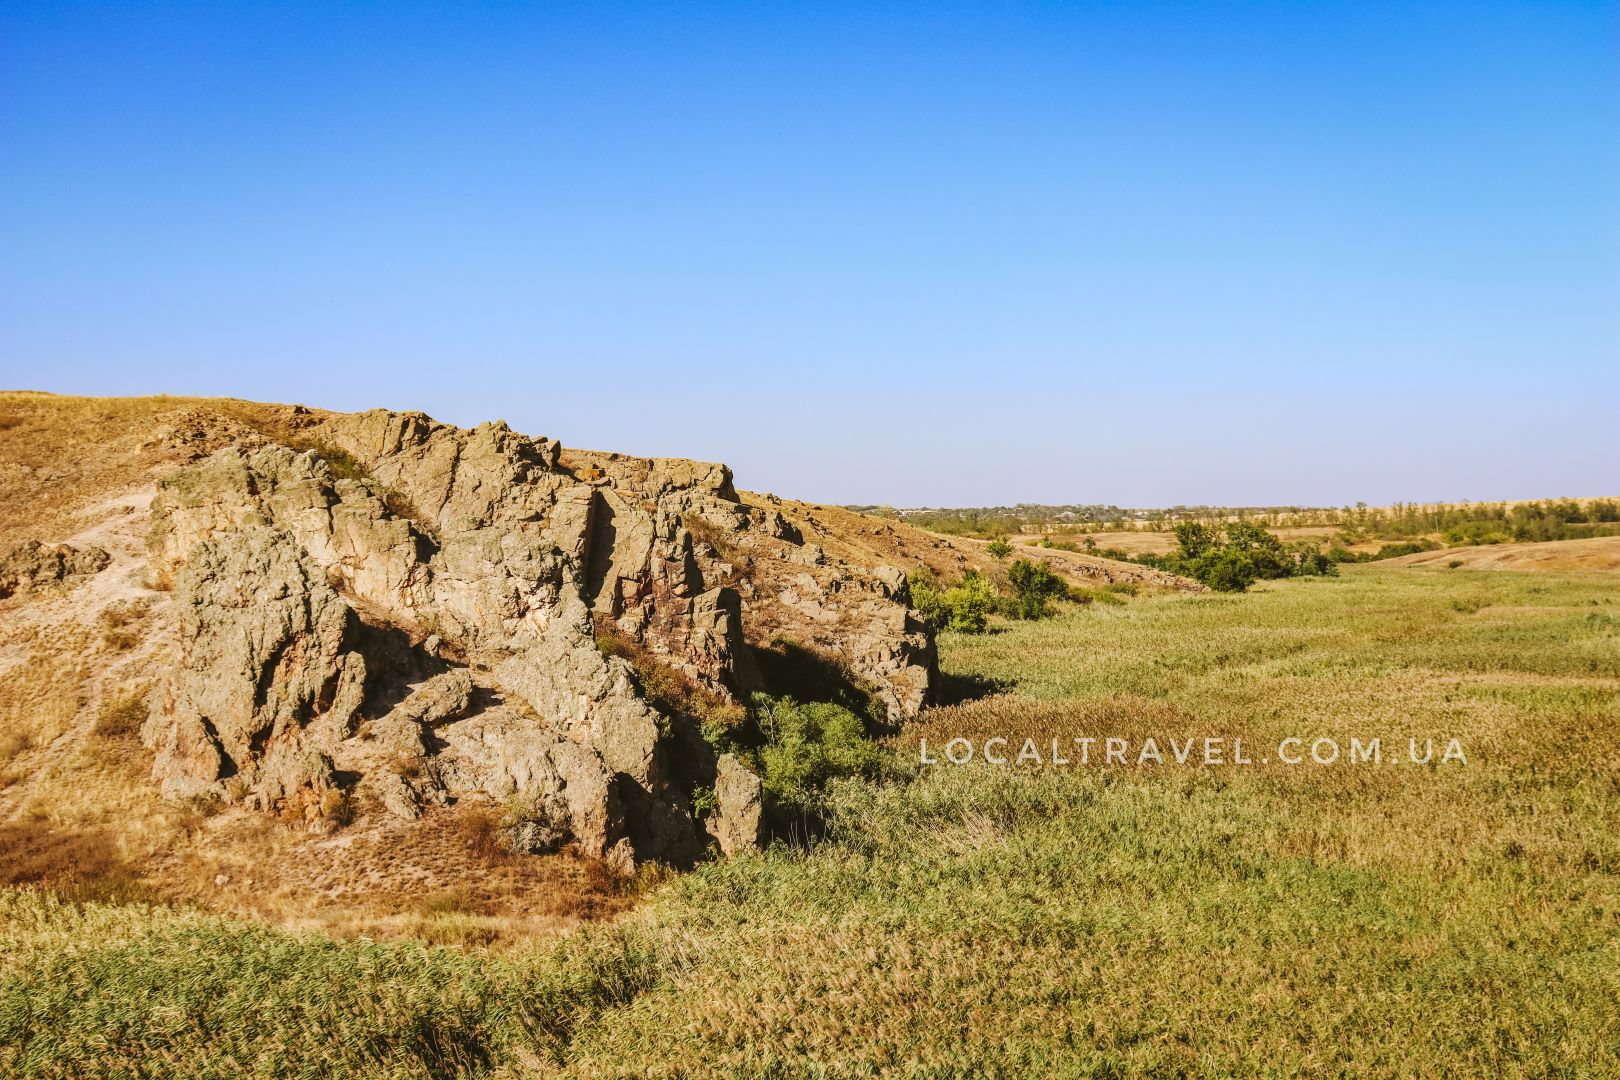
[297,660]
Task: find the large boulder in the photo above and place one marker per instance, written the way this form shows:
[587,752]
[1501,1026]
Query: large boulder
[737,818]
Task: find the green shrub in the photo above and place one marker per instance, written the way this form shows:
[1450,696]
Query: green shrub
[968,605]
[1395,551]
[1224,569]
[1311,562]
[807,745]
[1232,559]
[999,548]
[1034,585]
[964,607]
[927,598]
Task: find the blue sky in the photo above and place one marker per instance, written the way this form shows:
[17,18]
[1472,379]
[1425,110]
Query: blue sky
[909,253]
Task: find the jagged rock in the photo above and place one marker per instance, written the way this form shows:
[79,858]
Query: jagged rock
[491,552]
[781,528]
[199,432]
[399,796]
[735,822]
[342,525]
[443,697]
[536,837]
[507,755]
[32,564]
[286,771]
[809,555]
[267,667]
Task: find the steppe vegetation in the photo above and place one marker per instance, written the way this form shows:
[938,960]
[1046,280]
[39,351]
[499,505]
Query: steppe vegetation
[1142,920]
[1525,521]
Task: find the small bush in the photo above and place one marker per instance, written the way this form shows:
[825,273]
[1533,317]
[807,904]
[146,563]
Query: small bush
[117,632]
[121,715]
[999,548]
[1034,585]
[344,465]
[807,745]
[964,607]
[482,834]
[336,807]
[13,743]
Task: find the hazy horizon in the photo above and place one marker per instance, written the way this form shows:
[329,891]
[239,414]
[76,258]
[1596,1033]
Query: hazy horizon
[1239,255]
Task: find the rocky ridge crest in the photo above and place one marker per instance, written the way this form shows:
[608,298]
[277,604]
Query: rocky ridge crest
[387,604]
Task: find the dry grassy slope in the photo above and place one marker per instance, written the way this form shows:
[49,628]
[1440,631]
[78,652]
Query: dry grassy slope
[61,455]
[864,538]
[77,805]
[76,661]
[1594,553]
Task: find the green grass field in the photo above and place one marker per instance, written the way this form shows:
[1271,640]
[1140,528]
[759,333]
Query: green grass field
[1155,920]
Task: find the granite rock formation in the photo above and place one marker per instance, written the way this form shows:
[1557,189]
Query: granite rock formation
[391,605]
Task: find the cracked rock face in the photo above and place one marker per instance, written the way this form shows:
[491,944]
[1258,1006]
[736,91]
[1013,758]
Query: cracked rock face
[412,609]
[268,668]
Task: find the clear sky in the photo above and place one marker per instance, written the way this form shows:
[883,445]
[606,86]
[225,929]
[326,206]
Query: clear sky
[951,254]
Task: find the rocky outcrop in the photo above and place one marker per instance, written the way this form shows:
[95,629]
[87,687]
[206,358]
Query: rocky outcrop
[739,807]
[32,565]
[268,671]
[418,605]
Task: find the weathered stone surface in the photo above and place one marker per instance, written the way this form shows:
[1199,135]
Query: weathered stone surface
[736,820]
[507,755]
[499,555]
[31,565]
[442,698]
[399,796]
[267,667]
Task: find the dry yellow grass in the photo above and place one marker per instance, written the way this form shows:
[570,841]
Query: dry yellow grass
[1595,553]
[870,540]
[59,454]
